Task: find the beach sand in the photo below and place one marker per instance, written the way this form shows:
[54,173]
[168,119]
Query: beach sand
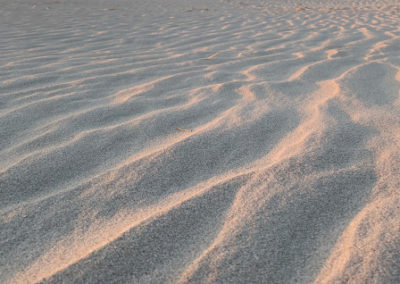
[173,141]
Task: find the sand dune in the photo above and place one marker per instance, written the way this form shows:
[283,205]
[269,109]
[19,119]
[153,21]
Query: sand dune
[205,141]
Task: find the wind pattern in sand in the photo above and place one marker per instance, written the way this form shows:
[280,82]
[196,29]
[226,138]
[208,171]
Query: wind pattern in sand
[199,141]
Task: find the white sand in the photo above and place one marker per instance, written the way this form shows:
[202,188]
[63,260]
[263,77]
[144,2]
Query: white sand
[173,141]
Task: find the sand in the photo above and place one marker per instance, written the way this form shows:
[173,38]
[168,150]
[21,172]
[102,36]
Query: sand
[183,141]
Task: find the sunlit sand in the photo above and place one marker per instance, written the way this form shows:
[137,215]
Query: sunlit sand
[183,141]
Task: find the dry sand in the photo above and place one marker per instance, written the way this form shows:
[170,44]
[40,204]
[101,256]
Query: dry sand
[173,141]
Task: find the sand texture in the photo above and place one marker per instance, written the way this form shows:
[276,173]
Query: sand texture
[200,141]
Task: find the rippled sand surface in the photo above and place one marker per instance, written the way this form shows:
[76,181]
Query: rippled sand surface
[200,141]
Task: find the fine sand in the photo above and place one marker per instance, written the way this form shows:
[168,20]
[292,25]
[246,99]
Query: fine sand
[200,141]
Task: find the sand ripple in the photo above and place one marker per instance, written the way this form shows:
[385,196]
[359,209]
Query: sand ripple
[220,142]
